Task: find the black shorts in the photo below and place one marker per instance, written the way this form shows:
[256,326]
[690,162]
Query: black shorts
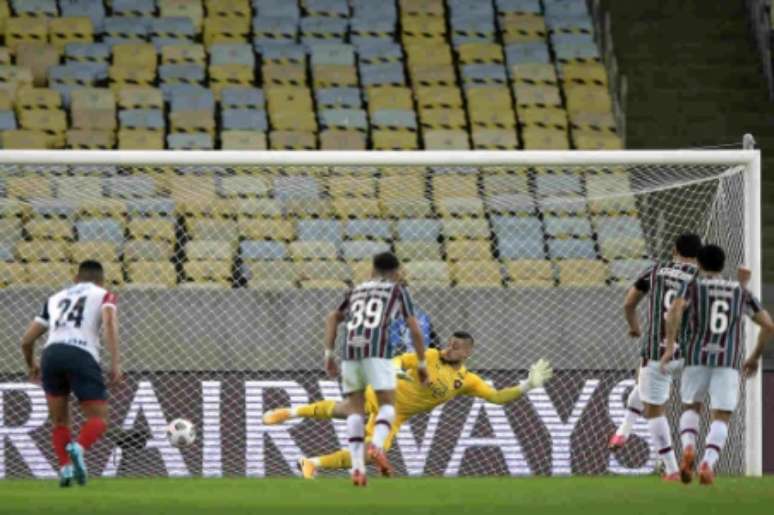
[66,369]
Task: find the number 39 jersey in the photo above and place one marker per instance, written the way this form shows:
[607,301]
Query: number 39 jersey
[663,283]
[369,309]
[716,309]
[74,316]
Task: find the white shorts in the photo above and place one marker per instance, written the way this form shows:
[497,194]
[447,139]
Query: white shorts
[356,375]
[722,383]
[654,384]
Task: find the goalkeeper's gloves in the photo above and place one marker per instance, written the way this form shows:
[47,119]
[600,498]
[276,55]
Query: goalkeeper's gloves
[400,373]
[539,373]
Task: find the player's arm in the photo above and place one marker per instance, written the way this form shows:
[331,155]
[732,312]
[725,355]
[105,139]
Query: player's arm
[110,333]
[35,330]
[762,318]
[634,296]
[332,322]
[417,338]
[674,319]
[539,373]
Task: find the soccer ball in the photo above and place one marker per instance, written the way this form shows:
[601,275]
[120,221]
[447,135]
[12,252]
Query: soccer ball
[181,432]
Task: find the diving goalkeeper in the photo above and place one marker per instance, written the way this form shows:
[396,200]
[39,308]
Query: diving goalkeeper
[448,379]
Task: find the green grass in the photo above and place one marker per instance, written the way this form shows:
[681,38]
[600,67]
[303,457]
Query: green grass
[528,496]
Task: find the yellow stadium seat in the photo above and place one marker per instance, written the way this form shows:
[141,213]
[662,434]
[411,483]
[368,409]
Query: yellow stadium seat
[317,270]
[227,7]
[123,76]
[543,95]
[38,98]
[192,9]
[465,206]
[227,75]
[385,139]
[443,118]
[446,139]
[596,140]
[492,118]
[52,122]
[271,271]
[25,29]
[337,139]
[140,139]
[161,273]
[49,229]
[226,29]
[291,74]
[12,273]
[534,73]
[79,188]
[294,120]
[192,121]
[135,55]
[114,274]
[49,274]
[423,26]
[468,250]
[446,186]
[27,187]
[537,138]
[389,97]
[334,76]
[15,77]
[192,188]
[140,97]
[37,58]
[488,98]
[208,270]
[401,187]
[6,100]
[312,250]
[280,98]
[356,207]
[184,53]
[361,271]
[422,7]
[148,250]
[438,96]
[70,30]
[212,229]
[292,140]
[406,208]
[624,248]
[476,274]
[479,52]
[585,73]
[93,119]
[92,98]
[587,98]
[496,184]
[102,251]
[205,250]
[582,272]
[243,140]
[91,139]
[26,139]
[12,208]
[519,28]
[10,229]
[418,251]
[245,186]
[587,121]
[349,186]
[152,228]
[271,285]
[102,208]
[42,250]
[427,273]
[466,228]
[547,118]
[260,229]
[433,75]
[5,53]
[530,273]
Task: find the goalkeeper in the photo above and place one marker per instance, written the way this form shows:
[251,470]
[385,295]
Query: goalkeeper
[448,378]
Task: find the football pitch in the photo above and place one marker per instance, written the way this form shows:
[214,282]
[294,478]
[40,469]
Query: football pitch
[528,496]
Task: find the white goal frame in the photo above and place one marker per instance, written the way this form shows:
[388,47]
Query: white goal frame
[750,159]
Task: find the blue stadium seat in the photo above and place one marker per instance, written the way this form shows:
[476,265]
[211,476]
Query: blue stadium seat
[566,7]
[188,73]
[7,121]
[574,46]
[320,230]
[322,27]
[360,250]
[125,29]
[511,203]
[200,99]
[276,8]
[35,7]
[130,187]
[365,30]
[418,229]
[242,97]
[142,119]
[53,207]
[566,23]
[100,229]
[244,120]
[170,91]
[563,226]
[618,227]
[150,207]
[520,246]
[347,98]
[190,141]
[376,229]
[274,28]
[549,184]
[518,6]
[484,73]
[339,8]
[344,119]
[627,270]
[171,30]
[93,9]
[262,250]
[6,251]
[325,52]
[379,50]
[231,53]
[94,52]
[374,10]
[571,249]
[281,51]
[470,8]
[525,53]
[296,188]
[397,118]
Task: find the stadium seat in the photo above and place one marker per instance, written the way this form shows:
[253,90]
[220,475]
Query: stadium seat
[476,274]
[288,74]
[312,250]
[90,139]
[470,228]
[243,140]
[618,227]
[140,97]
[530,273]
[192,122]
[209,271]
[538,95]
[25,29]
[49,229]
[427,274]
[362,250]
[42,250]
[103,251]
[154,228]
[184,53]
[130,187]
[323,270]
[270,271]
[537,138]
[28,187]
[99,229]
[624,248]
[148,250]
[202,250]
[159,273]
[212,230]
[369,229]
[333,139]
[460,207]
[468,250]
[626,271]
[583,272]
[49,274]
[320,230]
[78,188]
[418,251]
[418,229]
[260,229]
[250,250]
[12,273]
[566,227]
[10,230]
[571,249]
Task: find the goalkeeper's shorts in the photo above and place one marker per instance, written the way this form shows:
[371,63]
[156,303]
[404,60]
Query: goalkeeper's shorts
[356,375]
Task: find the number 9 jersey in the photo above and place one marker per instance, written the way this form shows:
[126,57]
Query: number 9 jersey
[74,316]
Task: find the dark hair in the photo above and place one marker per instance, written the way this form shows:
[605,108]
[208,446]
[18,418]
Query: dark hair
[712,258]
[386,262]
[464,335]
[688,244]
[91,271]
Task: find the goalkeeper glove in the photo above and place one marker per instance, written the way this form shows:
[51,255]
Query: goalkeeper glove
[539,373]
[400,373]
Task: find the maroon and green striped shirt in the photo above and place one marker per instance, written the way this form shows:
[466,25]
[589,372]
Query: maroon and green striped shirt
[716,309]
[663,282]
[369,309]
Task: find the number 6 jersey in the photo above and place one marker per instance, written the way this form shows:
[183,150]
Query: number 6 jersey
[369,309]
[716,307]
[74,316]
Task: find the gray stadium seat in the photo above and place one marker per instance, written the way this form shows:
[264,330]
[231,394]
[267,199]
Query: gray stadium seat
[374,9]
[618,227]
[419,229]
[231,53]
[366,29]
[378,50]
[331,53]
[338,8]
[279,27]
[484,73]
[320,230]
[6,251]
[190,141]
[628,270]
[130,187]
[7,120]
[359,250]
[574,46]
[276,8]
[189,73]
[397,118]
[571,249]
[93,9]
[35,7]
[322,27]
[244,119]
[125,29]
[347,98]
[567,226]
[470,8]
[518,6]
[242,97]
[134,7]
[168,29]
[170,91]
[148,250]
[382,74]
[53,207]
[262,250]
[344,118]
[297,188]
[79,52]
[150,207]
[200,99]
[100,229]
[377,229]
[142,119]
[565,23]
[524,53]
[566,7]
[549,184]
[511,203]
[281,50]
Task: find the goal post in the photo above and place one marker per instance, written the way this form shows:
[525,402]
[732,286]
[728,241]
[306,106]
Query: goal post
[226,262]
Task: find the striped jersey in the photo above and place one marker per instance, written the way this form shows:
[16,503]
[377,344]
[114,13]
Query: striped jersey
[716,308]
[663,282]
[369,309]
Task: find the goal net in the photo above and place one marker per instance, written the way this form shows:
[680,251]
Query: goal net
[226,269]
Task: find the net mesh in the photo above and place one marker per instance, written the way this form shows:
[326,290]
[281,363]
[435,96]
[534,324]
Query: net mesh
[224,276]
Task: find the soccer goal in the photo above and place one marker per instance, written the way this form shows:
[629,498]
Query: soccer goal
[225,264]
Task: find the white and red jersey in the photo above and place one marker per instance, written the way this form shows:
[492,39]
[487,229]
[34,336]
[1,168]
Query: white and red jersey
[74,316]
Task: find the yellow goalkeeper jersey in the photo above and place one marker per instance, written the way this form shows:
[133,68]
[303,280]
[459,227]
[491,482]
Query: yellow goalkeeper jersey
[445,383]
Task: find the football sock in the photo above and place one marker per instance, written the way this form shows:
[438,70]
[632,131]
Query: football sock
[634,409]
[662,439]
[383,424]
[60,437]
[689,428]
[91,431]
[356,437]
[321,410]
[335,460]
[716,439]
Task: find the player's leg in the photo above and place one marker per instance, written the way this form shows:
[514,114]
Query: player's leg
[654,390]
[353,384]
[55,384]
[694,385]
[381,375]
[724,388]
[325,409]
[634,409]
